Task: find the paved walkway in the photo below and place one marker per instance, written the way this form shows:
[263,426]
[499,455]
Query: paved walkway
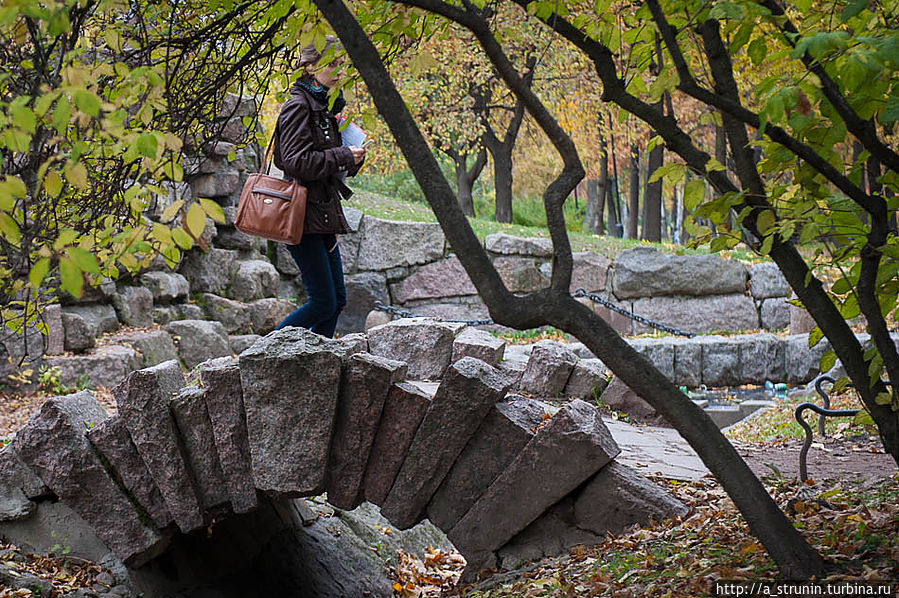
[656,451]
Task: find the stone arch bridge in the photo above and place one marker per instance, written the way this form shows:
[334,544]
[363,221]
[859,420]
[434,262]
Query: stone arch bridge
[297,415]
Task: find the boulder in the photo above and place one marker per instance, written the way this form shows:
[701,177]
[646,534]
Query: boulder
[404,408]
[620,397]
[698,314]
[387,244]
[775,314]
[589,272]
[165,286]
[376,317]
[479,344]
[228,237]
[56,334]
[504,244]
[646,272]
[78,334]
[254,279]
[104,366]
[133,306]
[362,291]
[241,342]
[15,478]
[112,440]
[612,501]
[364,385]
[290,383]
[762,357]
[233,315]
[468,391]
[766,281]
[195,429]
[152,346]
[519,274]
[618,497]
[211,271]
[659,352]
[587,381]
[467,308]
[803,363]
[219,184]
[572,446]
[199,340]
[224,404]
[549,367]
[425,345]
[801,322]
[444,278]
[100,319]
[720,361]
[284,262]
[508,427]
[687,362]
[143,402]
[54,445]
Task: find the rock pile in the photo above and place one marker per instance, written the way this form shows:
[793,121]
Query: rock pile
[297,414]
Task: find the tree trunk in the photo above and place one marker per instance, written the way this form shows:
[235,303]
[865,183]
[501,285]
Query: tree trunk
[593,222]
[612,204]
[795,559]
[652,198]
[463,187]
[502,184]
[633,196]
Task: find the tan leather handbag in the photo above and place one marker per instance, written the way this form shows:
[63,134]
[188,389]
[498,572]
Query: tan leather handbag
[270,207]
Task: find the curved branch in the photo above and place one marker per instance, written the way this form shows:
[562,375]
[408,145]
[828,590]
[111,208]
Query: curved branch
[864,130]
[733,107]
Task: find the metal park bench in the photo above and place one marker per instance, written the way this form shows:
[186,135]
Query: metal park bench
[823,412]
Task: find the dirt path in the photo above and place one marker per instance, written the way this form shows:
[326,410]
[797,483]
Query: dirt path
[854,459]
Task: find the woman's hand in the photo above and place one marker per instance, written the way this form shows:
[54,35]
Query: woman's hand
[358,153]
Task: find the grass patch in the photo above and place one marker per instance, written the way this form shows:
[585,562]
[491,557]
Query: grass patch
[529,225]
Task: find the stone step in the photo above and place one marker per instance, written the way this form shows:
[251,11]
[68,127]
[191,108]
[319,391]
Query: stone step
[572,446]
[364,384]
[143,401]
[188,407]
[404,408]
[505,431]
[290,382]
[224,403]
[54,445]
[468,391]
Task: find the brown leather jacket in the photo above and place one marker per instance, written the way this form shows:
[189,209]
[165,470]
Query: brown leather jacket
[308,148]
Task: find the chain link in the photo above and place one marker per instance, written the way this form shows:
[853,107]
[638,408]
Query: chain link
[402,313]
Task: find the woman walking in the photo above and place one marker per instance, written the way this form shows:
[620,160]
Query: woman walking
[308,148]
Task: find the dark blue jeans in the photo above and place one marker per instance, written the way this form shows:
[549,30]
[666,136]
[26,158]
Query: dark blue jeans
[318,258]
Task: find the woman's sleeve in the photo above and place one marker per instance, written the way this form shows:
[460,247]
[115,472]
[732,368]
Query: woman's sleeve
[299,159]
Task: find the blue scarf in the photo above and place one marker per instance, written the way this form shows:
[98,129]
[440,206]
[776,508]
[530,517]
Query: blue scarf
[319,92]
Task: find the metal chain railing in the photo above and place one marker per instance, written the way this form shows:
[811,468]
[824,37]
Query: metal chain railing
[403,313]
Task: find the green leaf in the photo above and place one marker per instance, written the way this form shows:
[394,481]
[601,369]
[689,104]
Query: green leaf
[213,210]
[23,117]
[172,210]
[195,220]
[757,50]
[694,192]
[11,188]
[841,287]
[38,273]
[84,259]
[883,398]
[147,145]
[9,229]
[184,240]
[87,101]
[863,418]
[765,221]
[853,8]
[815,336]
[828,360]
[71,280]
[77,175]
